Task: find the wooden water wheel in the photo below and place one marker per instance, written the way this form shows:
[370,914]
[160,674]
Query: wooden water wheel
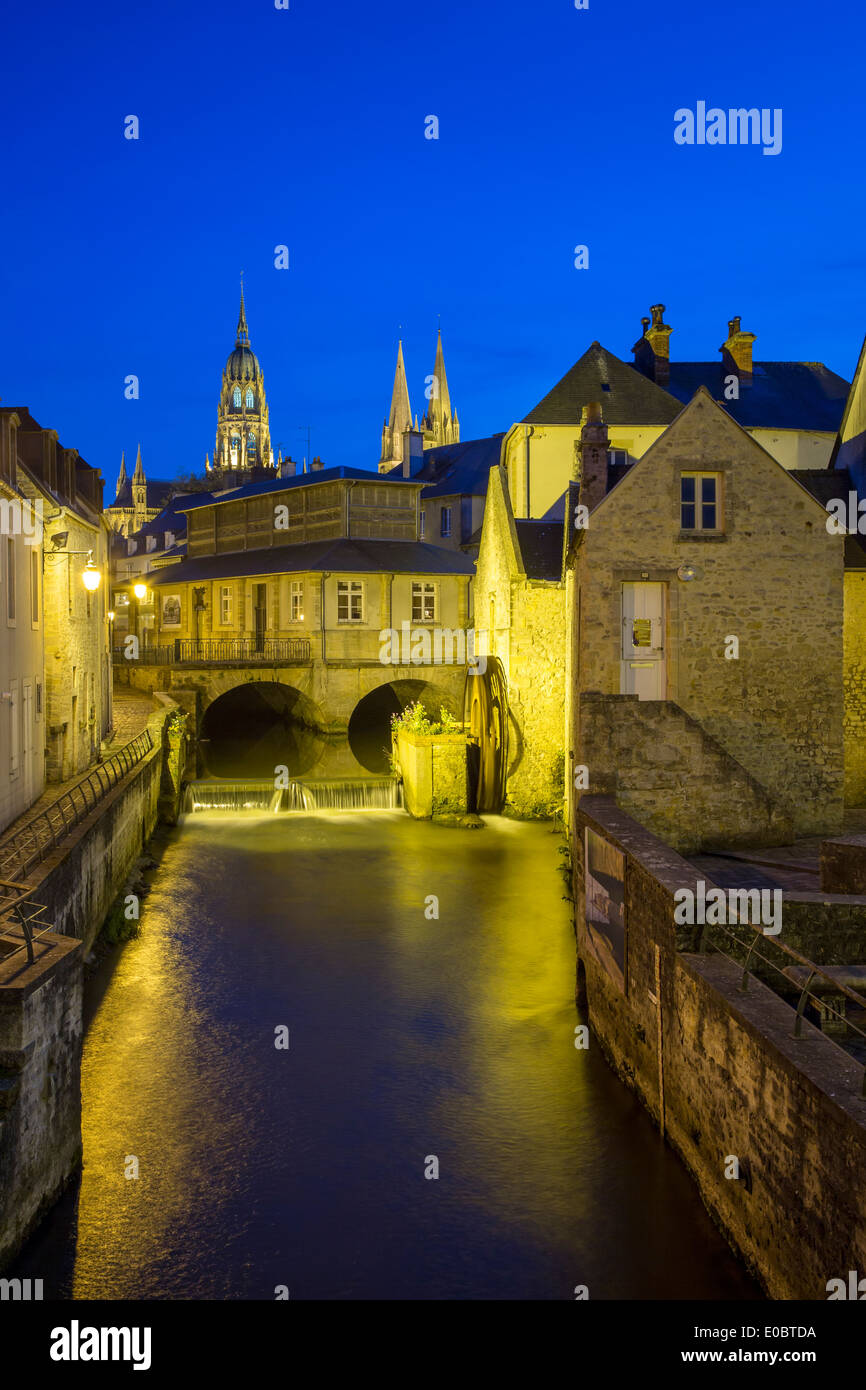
[485,714]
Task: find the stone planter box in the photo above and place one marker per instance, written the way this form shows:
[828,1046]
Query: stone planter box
[435,772]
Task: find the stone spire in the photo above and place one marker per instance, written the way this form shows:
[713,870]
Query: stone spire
[121,477]
[440,424]
[243,336]
[138,475]
[139,494]
[399,420]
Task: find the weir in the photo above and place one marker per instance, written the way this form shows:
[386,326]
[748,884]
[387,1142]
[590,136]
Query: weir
[354,794]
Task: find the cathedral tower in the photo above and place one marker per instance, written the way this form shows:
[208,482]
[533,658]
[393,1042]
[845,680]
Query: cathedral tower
[243,438]
[399,420]
[440,425]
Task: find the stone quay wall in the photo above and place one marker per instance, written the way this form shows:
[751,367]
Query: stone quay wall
[723,1075]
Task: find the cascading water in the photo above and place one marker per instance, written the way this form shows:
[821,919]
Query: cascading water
[357,794]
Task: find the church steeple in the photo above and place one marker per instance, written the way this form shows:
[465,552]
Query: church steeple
[121,477]
[243,336]
[440,424]
[399,419]
[243,439]
[139,493]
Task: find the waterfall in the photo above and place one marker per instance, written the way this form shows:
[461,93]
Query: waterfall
[356,794]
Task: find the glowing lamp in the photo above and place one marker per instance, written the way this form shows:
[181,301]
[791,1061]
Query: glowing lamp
[140,590]
[91,577]
[111,615]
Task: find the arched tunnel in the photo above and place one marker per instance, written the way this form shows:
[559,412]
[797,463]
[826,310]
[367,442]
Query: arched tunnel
[258,726]
[370,724]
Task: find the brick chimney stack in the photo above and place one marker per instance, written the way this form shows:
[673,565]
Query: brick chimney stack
[652,351]
[737,353]
[592,455]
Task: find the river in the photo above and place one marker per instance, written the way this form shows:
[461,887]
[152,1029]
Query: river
[411,1038]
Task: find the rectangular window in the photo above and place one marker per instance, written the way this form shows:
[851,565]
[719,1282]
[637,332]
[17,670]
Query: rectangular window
[350,601]
[38,697]
[10,579]
[700,502]
[34,585]
[297,596]
[424,603]
[226,597]
[422,525]
[445,522]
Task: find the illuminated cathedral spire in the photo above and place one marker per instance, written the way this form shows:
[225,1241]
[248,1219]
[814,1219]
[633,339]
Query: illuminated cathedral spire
[243,438]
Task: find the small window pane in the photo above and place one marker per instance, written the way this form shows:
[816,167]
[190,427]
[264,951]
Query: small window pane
[688,489]
[708,516]
[688,516]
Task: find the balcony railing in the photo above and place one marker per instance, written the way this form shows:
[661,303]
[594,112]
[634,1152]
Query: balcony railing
[217,651]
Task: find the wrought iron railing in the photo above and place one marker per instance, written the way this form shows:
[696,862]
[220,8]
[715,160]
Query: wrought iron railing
[23,848]
[797,971]
[272,650]
[25,913]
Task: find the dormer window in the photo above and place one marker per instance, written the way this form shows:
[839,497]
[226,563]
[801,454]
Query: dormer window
[236,399]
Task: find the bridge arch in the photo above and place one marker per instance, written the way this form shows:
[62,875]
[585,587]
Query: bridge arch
[370,720]
[256,726]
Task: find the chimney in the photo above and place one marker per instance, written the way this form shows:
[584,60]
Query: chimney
[737,353]
[652,351]
[413,452]
[592,456]
[288,468]
[316,466]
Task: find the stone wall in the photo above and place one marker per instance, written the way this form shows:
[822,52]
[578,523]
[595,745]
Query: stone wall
[733,1082]
[40,1088]
[854,672]
[435,773]
[667,771]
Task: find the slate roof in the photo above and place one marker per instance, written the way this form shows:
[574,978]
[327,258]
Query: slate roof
[322,475]
[541,548]
[340,555]
[825,484]
[157,494]
[782,395]
[456,470]
[627,397]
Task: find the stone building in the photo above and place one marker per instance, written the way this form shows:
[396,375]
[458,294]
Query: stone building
[705,585]
[520,617]
[455,478]
[57,684]
[243,437]
[137,501]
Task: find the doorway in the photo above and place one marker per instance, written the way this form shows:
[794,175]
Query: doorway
[643,659]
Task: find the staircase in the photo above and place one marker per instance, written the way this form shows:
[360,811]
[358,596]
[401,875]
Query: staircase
[675,778]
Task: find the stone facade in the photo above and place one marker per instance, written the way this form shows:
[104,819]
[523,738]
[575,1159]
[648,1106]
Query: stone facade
[766,584]
[522,622]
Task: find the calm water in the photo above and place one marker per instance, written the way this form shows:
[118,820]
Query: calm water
[408,1038]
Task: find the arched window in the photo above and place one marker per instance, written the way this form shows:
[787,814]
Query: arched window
[236,444]
[237,398]
[251,400]
[251,444]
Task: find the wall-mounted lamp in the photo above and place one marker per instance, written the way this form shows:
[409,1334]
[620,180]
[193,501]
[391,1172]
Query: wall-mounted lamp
[140,590]
[91,575]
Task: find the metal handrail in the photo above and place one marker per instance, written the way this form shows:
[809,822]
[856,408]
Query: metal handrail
[22,896]
[806,993]
[29,845]
[191,649]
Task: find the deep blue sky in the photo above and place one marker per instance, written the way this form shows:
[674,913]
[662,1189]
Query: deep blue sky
[306,127]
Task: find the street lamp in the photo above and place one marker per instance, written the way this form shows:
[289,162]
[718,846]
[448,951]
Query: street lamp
[91,575]
[140,591]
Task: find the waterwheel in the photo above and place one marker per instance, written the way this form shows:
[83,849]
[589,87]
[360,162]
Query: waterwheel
[485,714]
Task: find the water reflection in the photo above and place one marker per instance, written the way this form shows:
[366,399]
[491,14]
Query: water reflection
[410,1036]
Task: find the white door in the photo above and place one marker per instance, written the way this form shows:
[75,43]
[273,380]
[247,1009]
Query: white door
[643,641]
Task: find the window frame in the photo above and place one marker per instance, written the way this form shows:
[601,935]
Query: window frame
[351,589]
[425,588]
[698,502]
[445,523]
[227,599]
[296,591]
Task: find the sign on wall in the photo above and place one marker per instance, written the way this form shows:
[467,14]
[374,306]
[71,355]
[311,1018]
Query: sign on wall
[604,879]
[171,610]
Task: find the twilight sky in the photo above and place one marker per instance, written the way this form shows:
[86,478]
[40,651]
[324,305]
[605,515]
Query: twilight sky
[305,127]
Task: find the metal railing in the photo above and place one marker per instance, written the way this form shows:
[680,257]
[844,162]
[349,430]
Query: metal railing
[789,974]
[16,901]
[29,845]
[217,650]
